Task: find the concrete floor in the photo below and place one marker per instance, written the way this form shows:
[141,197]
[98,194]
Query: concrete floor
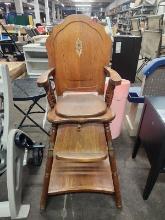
[91,206]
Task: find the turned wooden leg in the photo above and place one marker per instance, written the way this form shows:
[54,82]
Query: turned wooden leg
[48,168]
[112,161]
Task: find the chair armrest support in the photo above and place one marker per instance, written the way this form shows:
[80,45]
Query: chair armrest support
[115,77]
[44,81]
[114,80]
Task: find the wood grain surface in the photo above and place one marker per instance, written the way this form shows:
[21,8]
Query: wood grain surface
[112,161]
[54,118]
[84,143]
[44,77]
[49,161]
[79,49]
[80,177]
[81,105]
[16,69]
[83,159]
[114,76]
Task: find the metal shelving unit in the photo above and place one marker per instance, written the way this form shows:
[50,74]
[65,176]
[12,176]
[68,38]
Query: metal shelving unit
[15,50]
[123,14]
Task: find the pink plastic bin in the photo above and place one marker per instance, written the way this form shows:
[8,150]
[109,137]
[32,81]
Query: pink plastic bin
[118,106]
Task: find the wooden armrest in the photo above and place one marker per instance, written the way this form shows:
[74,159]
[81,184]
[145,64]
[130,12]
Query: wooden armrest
[43,79]
[115,77]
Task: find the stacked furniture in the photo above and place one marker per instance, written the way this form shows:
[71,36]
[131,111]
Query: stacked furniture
[9,37]
[152,72]
[153,85]
[135,27]
[151,39]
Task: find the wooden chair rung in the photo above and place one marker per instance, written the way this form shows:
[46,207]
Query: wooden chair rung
[85,157]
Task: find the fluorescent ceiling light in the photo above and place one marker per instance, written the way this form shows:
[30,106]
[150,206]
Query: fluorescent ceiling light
[83,1]
[62,4]
[83,5]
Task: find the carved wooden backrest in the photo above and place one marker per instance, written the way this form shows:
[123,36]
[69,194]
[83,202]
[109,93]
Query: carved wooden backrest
[79,49]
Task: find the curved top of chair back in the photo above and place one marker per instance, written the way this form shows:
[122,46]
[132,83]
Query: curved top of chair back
[79,48]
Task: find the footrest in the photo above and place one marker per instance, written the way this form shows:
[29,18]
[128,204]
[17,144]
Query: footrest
[81,157]
[80,177]
[81,144]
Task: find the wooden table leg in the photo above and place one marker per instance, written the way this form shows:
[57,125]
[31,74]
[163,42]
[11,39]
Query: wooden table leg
[112,161]
[48,168]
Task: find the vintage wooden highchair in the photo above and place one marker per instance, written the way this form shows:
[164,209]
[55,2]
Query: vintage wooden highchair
[80,156]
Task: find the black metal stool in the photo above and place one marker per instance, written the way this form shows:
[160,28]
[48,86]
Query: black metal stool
[27,90]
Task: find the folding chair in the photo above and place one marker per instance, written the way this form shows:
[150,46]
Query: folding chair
[151,40]
[26,90]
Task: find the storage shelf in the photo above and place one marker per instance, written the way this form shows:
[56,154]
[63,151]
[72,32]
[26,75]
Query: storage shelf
[36,59]
[34,74]
[39,60]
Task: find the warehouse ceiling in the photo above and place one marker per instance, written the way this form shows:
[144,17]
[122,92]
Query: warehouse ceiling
[92,3]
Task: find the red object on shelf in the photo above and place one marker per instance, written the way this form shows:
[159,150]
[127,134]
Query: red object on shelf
[41,29]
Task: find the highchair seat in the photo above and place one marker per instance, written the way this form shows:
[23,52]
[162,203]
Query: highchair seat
[81,105]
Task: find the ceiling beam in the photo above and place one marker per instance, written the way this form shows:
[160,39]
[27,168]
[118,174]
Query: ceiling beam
[91,1]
